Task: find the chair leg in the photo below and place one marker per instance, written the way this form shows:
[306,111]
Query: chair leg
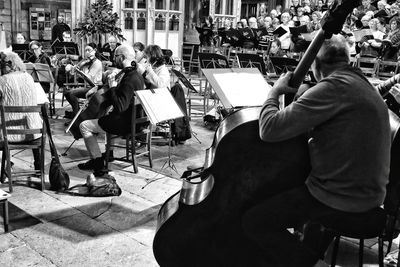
[8,169]
[5,215]
[335,251]
[380,251]
[42,152]
[149,147]
[3,166]
[361,253]
[133,150]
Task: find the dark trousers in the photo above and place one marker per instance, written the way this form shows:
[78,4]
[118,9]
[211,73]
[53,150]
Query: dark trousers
[73,96]
[267,223]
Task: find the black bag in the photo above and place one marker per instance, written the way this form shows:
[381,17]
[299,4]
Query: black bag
[101,186]
[180,128]
[59,178]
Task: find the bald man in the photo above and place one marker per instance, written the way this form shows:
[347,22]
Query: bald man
[118,122]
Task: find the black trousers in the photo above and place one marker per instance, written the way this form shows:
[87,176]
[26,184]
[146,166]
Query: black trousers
[267,223]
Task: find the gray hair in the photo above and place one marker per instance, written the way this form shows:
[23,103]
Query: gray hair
[334,50]
[127,51]
[16,62]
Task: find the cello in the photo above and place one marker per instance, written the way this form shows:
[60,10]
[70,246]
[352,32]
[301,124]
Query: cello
[201,224]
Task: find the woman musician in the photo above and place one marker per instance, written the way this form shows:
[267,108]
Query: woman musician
[92,67]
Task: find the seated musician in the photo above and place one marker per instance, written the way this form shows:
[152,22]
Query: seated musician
[17,88]
[139,47]
[63,60]
[20,39]
[154,71]
[341,111]
[93,68]
[38,56]
[109,50]
[119,120]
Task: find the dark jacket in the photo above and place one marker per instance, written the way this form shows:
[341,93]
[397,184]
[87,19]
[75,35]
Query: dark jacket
[121,97]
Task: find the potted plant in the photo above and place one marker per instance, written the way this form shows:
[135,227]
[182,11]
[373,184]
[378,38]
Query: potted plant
[99,20]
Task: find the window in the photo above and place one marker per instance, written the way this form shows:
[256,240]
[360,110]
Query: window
[160,4]
[218,6]
[160,22]
[141,3]
[128,3]
[174,5]
[229,7]
[141,21]
[129,21]
[174,23]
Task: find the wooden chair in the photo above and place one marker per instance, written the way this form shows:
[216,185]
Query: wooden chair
[138,118]
[252,61]
[368,65]
[192,94]
[386,69]
[4,200]
[6,146]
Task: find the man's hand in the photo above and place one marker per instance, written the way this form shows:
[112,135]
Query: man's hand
[281,86]
[91,92]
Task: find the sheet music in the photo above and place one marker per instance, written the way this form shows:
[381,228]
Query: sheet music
[40,94]
[243,89]
[160,105]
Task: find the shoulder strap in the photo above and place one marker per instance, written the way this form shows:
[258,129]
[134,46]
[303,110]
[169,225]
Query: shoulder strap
[53,148]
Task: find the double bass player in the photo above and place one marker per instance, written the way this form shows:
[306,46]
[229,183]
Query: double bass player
[347,125]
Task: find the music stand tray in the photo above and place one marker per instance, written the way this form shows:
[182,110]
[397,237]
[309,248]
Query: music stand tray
[39,72]
[238,87]
[65,48]
[22,50]
[283,64]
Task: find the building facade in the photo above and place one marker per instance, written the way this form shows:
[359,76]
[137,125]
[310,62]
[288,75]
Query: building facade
[167,23]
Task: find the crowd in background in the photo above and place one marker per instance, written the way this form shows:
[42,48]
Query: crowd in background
[275,28]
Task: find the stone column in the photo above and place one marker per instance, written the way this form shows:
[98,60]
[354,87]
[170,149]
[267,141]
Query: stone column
[15,16]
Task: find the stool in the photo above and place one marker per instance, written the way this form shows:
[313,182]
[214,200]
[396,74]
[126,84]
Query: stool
[4,200]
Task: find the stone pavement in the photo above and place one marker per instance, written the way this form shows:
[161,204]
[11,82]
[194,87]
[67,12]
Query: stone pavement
[55,229]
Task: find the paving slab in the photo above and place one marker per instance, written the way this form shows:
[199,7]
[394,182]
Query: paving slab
[23,256]
[81,241]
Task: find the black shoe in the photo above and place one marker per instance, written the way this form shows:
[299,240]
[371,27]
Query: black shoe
[96,164]
[88,165]
[110,158]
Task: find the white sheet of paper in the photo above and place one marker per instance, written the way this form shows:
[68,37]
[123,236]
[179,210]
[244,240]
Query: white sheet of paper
[40,94]
[159,106]
[243,89]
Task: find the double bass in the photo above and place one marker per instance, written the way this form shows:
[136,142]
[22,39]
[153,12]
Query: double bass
[201,224]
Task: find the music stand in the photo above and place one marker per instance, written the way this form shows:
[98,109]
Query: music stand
[283,64]
[65,48]
[160,106]
[22,50]
[40,72]
[232,86]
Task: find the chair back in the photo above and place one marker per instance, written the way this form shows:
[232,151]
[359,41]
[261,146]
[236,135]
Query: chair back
[368,65]
[18,125]
[251,61]
[213,61]
[386,69]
